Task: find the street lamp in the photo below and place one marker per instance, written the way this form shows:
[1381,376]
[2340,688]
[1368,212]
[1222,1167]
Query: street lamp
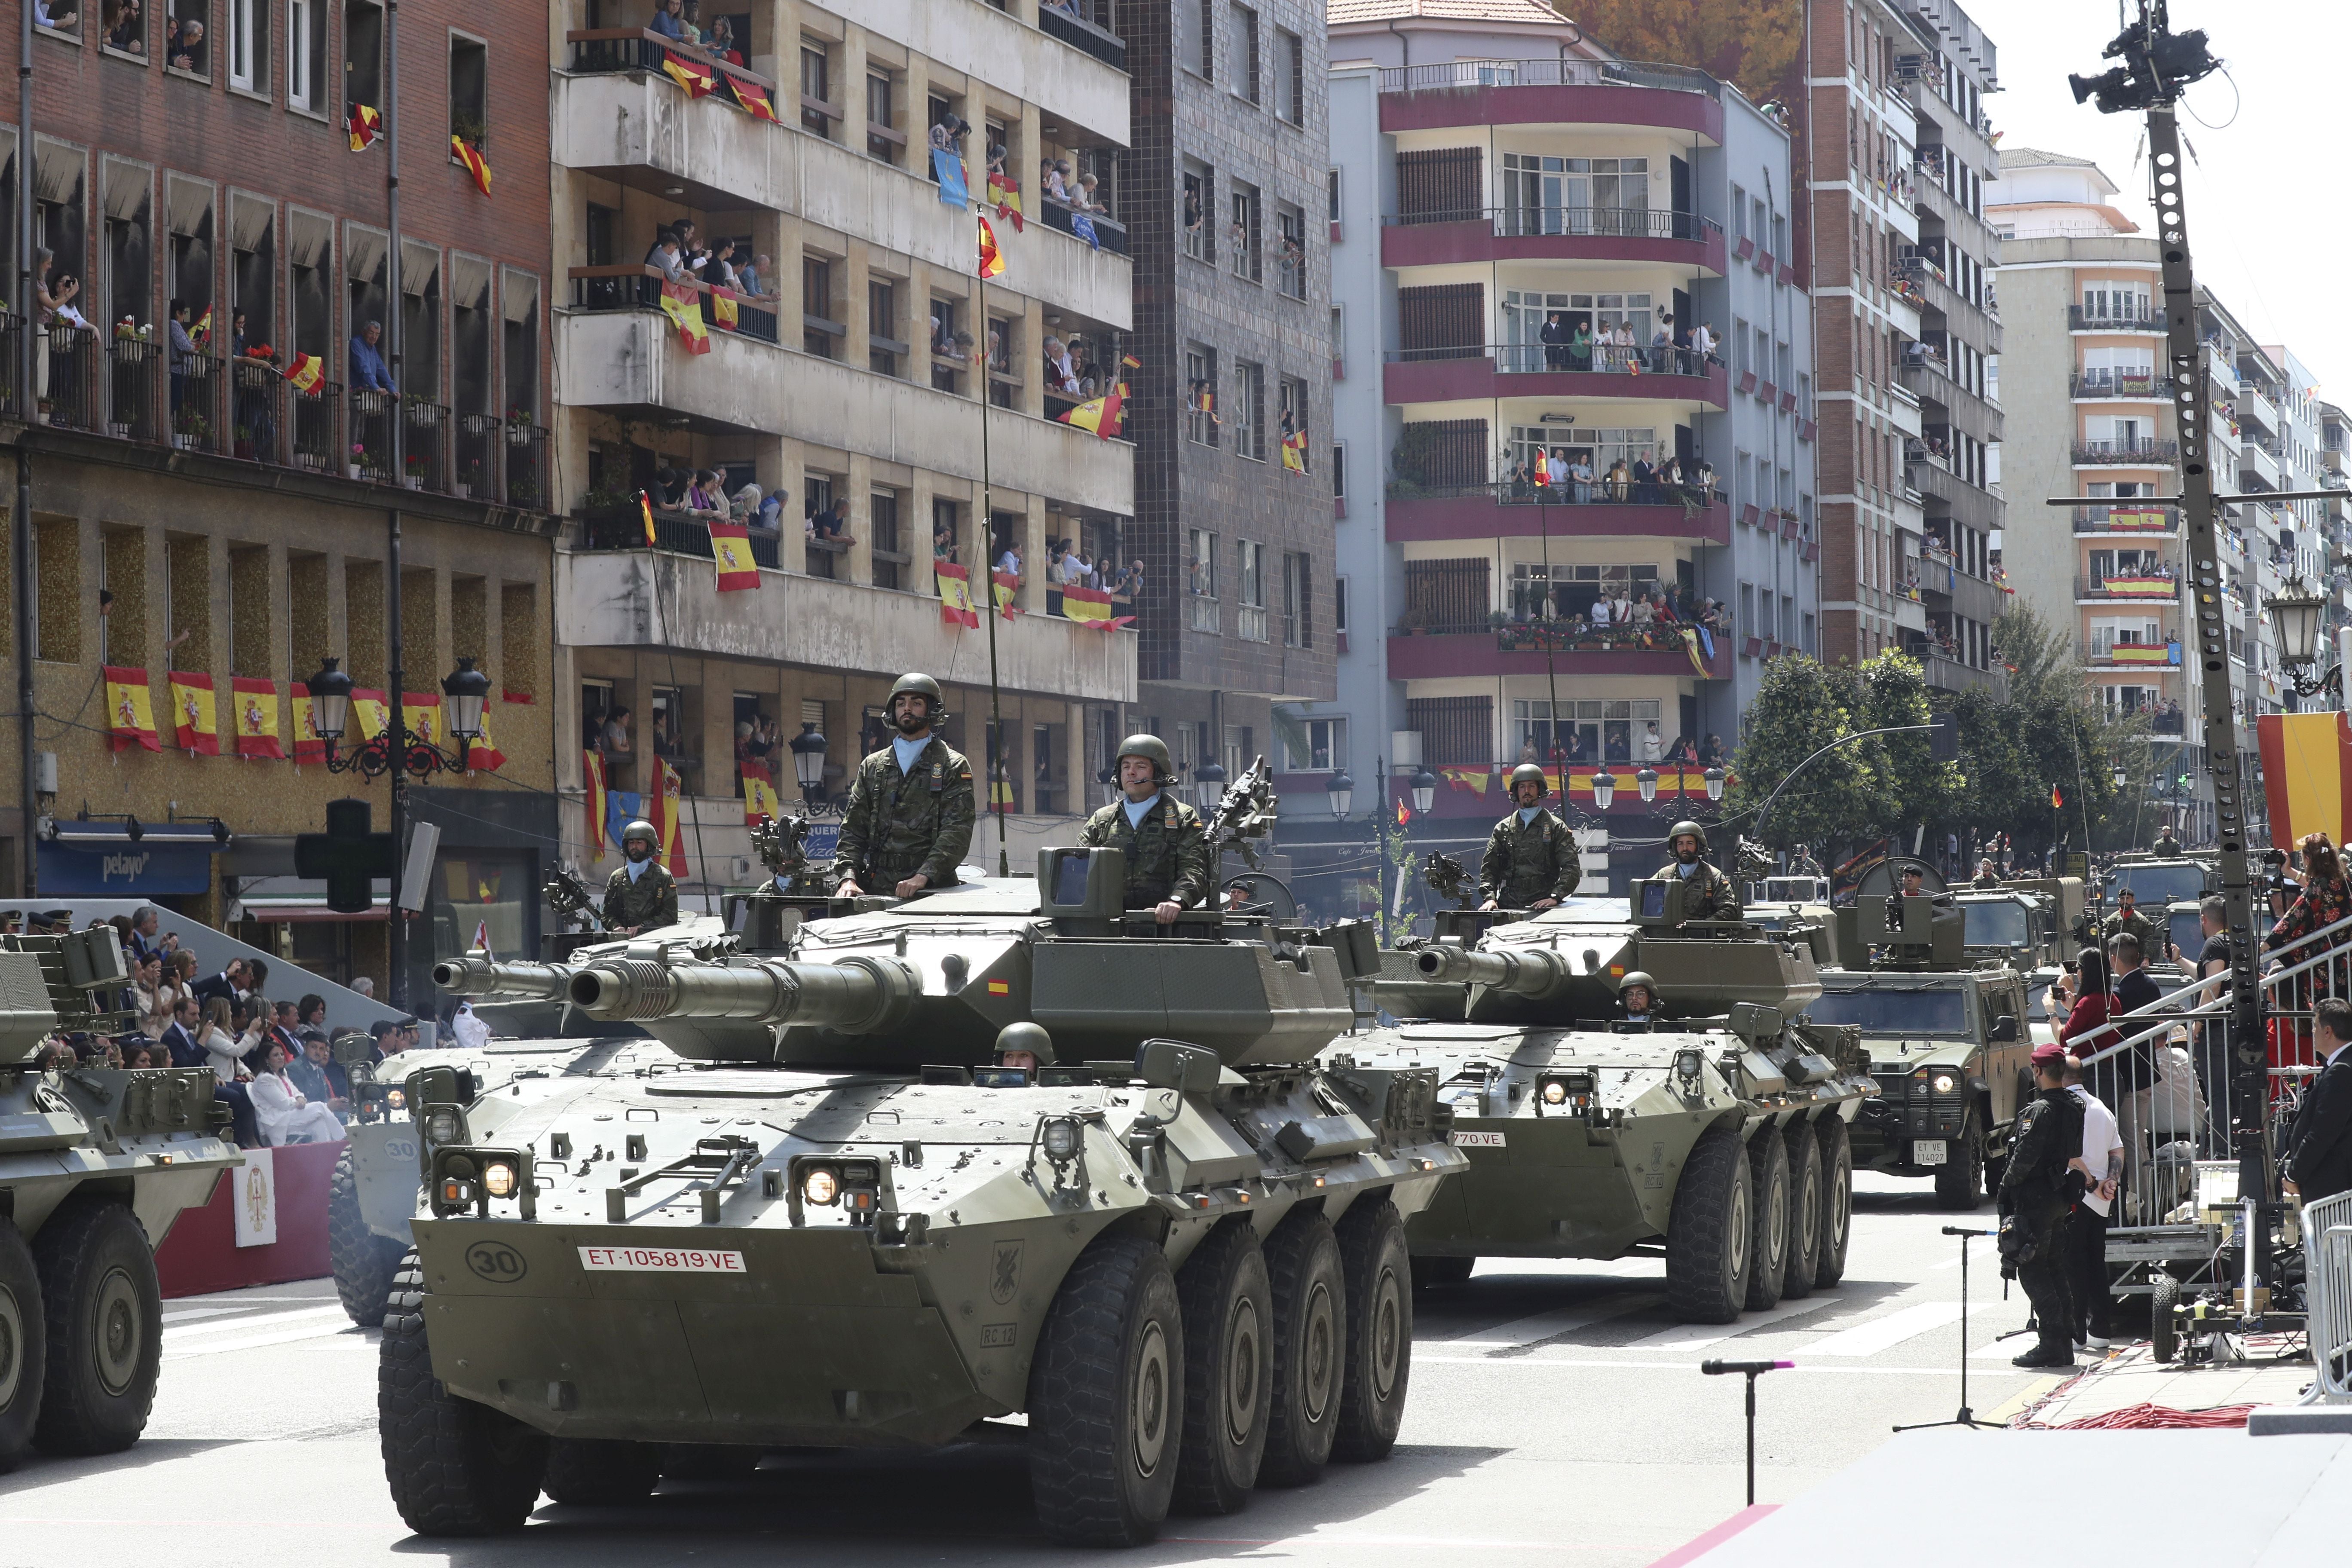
[1714,784]
[808,758]
[1424,790]
[1343,792]
[1605,789]
[2296,614]
[464,692]
[1209,780]
[1648,781]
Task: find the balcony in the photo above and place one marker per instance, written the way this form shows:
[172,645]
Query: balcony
[1416,513]
[1944,588]
[2102,386]
[1502,646]
[1481,372]
[2158,657]
[2259,468]
[2132,454]
[1930,289]
[1556,91]
[2144,321]
[2125,518]
[1607,236]
[1082,35]
[2142,588]
[1928,378]
[1954,496]
[1945,673]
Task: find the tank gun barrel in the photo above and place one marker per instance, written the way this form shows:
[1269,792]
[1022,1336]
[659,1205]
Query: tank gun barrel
[1535,972]
[471,977]
[855,995]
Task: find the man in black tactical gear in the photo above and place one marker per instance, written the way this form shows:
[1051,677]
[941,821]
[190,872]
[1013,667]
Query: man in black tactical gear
[2037,1193]
[642,895]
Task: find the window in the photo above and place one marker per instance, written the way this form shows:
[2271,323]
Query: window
[1585,732]
[469,111]
[1339,470]
[1249,588]
[1201,417]
[1298,625]
[306,52]
[1201,584]
[188,33]
[1200,204]
[817,83]
[1004,361]
[1243,64]
[363,55]
[1315,746]
[880,110]
[1338,339]
[884,348]
[248,44]
[1340,608]
[1291,409]
[1198,21]
[882,525]
[1242,232]
[1546,194]
[945,529]
[1290,263]
[1574,589]
[1331,182]
[1526,310]
[1249,411]
[819,328]
[950,348]
[1290,78]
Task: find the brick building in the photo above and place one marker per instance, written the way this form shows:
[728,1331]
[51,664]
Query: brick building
[195,513]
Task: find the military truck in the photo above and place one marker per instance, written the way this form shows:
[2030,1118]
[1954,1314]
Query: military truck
[1946,1037]
[95,1165]
[2029,923]
[1712,1135]
[1002,1148]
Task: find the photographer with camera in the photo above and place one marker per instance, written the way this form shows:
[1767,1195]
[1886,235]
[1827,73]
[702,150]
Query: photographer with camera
[2038,1191]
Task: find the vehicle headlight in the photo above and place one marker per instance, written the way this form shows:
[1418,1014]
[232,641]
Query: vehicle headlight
[1555,1093]
[1943,1083]
[820,1185]
[1689,1062]
[499,1179]
[443,1125]
[397,1100]
[1059,1136]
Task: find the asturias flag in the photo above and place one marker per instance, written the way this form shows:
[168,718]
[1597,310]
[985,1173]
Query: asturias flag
[991,260]
[955,595]
[947,170]
[131,709]
[256,705]
[195,726]
[472,158]
[730,548]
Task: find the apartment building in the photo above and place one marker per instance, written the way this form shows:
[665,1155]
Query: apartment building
[206,531]
[898,417]
[1530,234]
[1907,332]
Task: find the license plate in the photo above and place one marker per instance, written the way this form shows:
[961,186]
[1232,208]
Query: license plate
[1468,1140]
[1928,1151]
[658,1260]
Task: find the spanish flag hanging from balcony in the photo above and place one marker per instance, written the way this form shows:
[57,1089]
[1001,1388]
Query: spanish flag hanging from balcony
[760,802]
[306,373]
[722,310]
[1004,194]
[1103,415]
[753,98]
[482,754]
[195,726]
[255,703]
[955,595]
[592,778]
[310,746]
[420,715]
[991,260]
[130,709]
[1293,451]
[684,310]
[698,79]
[2140,653]
[2307,775]
[1005,584]
[364,125]
[1091,607]
[201,333]
[471,157]
[646,511]
[670,814]
[371,715]
[730,548]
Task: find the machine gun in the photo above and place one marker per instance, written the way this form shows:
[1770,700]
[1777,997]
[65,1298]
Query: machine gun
[568,895]
[782,844]
[1445,877]
[1245,815]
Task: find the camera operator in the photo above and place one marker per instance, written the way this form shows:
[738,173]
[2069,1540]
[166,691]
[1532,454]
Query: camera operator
[2037,1190]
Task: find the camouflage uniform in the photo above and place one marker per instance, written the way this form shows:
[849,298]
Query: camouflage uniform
[1984,880]
[2151,938]
[2165,844]
[899,824]
[1526,861]
[1711,895]
[646,903]
[1167,857]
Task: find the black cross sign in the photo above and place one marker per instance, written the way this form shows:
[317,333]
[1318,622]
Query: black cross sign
[348,856]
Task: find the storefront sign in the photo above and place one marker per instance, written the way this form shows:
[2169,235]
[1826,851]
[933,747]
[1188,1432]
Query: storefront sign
[125,869]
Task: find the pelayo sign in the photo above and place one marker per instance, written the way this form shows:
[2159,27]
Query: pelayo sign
[124,868]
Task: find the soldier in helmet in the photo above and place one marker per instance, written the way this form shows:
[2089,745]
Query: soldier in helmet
[2165,844]
[910,810]
[642,896]
[1167,864]
[1803,864]
[1710,895]
[1987,875]
[1637,997]
[1531,860]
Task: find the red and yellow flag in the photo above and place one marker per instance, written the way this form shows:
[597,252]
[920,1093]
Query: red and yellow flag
[592,775]
[992,261]
[363,125]
[306,373]
[130,710]
[760,802]
[1293,451]
[679,303]
[2140,653]
[753,98]
[482,754]
[310,746]
[195,726]
[201,333]
[955,595]
[698,79]
[1004,194]
[1103,415]
[255,705]
[371,714]
[722,308]
[646,510]
[1091,607]
[2307,775]
[1005,585]
[670,812]
[472,158]
[420,715]
[730,548]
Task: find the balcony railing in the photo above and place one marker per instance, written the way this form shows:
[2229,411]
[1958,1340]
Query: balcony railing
[1079,34]
[257,414]
[622,526]
[526,465]
[196,384]
[318,444]
[2131,655]
[1599,490]
[474,445]
[2124,516]
[601,50]
[1558,359]
[1562,71]
[2081,319]
[2141,586]
[2126,451]
[639,288]
[1109,232]
[2118,384]
[1542,222]
[1574,636]
[69,392]
[135,369]
[369,454]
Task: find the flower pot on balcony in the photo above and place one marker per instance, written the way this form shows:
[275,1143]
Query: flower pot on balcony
[413,482]
[119,429]
[352,470]
[518,438]
[184,443]
[463,490]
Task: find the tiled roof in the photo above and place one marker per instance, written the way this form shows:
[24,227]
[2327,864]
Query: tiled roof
[1522,11]
[2035,158]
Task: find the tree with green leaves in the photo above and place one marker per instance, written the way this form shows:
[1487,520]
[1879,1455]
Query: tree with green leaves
[1801,705]
[1754,44]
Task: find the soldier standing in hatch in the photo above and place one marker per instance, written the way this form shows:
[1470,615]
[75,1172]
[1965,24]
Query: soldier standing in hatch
[2165,844]
[1986,877]
[1167,867]
[1531,860]
[910,812]
[2127,918]
[1803,864]
[642,896]
[1710,895]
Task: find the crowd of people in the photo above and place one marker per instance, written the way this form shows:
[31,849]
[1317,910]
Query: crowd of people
[1562,478]
[1575,608]
[681,21]
[1577,346]
[681,256]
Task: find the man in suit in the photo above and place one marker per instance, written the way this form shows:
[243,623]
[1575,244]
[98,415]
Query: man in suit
[231,984]
[2318,1161]
[180,1035]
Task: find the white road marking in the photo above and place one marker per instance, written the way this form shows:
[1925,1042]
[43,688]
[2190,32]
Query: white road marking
[1593,1364]
[262,1342]
[1544,1325]
[1886,1333]
[254,1321]
[189,1314]
[1692,1336]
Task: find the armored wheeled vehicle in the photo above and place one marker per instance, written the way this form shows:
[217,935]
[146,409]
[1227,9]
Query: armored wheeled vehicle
[1946,1037]
[95,1165]
[1705,1124]
[2026,924]
[1002,1148]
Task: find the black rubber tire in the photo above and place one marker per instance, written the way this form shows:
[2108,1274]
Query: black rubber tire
[1804,1211]
[24,1335]
[1434,1272]
[455,1468]
[1228,1306]
[1959,1180]
[1709,1239]
[2163,1327]
[587,1471]
[1837,1202]
[1768,1161]
[1379,1368]
[710,1461]
[104,1328]
[363,1262]
[1107,1397]
[1310,1333]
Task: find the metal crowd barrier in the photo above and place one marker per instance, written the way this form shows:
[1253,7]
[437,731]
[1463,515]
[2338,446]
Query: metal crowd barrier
[2327,1295]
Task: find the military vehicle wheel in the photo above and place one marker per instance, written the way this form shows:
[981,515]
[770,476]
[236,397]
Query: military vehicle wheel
[1107,1397]
[1709,1239]
[364,1261]
[1228,1307]
[1804,1212]
[104,1328]
[1768,1160]
[22,1335]
[455,1468]
[588,1470]
[1310,1333]
[2163,1327]
[1429,1271]
[1837,1201]
[1959,1180]
[1379,1366]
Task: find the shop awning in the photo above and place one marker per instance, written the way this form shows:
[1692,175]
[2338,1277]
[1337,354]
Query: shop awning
[287,898]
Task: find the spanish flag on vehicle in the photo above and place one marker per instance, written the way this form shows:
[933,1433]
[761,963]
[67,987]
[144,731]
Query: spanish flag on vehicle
[698,79]
[363,125]
[684,309]
[992,261]
[468,155]
[306,373]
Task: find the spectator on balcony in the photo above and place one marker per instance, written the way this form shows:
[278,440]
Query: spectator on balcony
[1193,217]
[943,540]
[1057,179]
[183,355]
[668,256]
[1703,482]
[128,31]
[47,17]
[745,506]
[1645,481]
[1712,752]
[719,271]
[833,522]
[1704,344]
[1008,562]
[1602,614]
[613,738]
[187,51]
[368,372]
[1645,614]
[1090,381]
[1083,198]
[1580,347]
[707,496]
[752,281]
[1555,337]
[689,22]
[1130,583]
[723,42]
[1580,478]
[255,374]
[1620,482]
[1662,345]
[1625,348]
[665,19]
[1061,374]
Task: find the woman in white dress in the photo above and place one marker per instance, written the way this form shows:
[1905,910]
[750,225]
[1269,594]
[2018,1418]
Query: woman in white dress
[284,1114]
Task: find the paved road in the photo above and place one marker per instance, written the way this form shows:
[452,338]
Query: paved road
[1555,1408]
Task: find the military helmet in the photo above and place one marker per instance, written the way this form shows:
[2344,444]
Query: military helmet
[1527,772]
[1691,828]
[1638,977]
[641,828]
[1163,768]
[1025,1036]
[922,685]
